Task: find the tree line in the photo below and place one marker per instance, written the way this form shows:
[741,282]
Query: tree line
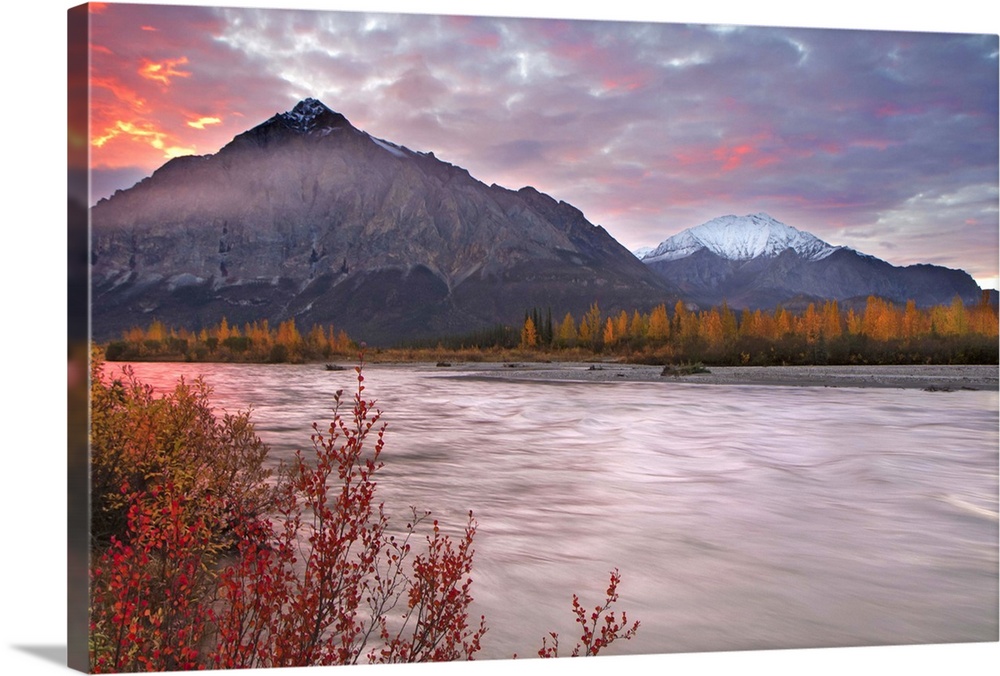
[882,332]
[256,342]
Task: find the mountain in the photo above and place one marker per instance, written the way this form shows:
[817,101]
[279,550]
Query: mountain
[755,261]
[306,216]
[741,238]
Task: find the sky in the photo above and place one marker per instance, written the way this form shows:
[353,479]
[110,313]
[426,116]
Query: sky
[882,140]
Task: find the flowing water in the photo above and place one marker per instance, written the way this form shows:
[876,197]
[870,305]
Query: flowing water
[740,517]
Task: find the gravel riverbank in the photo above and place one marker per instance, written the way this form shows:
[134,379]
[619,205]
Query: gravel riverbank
[934,378]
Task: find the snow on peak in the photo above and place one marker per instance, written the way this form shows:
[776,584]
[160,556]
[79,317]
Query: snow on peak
[741,238]
[391,148]
[310,115]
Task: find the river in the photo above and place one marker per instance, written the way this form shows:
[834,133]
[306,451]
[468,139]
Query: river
[740,517]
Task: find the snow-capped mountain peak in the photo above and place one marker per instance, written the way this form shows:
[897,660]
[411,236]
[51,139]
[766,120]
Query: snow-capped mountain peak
[741,238]
[310,115]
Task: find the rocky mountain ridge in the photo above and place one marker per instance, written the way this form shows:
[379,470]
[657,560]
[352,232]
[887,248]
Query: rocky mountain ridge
[755,261]
[306,216]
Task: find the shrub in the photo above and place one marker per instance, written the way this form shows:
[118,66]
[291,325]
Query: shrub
[238,344]
[278,354]
[150,591]
[164,598]
[315,575]
[116,350]
[354,573]
[684,370]
[598,630]
[140,441]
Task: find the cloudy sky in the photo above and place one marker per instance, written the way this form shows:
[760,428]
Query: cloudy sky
[883,141]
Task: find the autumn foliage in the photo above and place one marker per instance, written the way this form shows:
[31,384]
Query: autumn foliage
[865,331]
[357,582]
[140,442]
[598,629]
[151,589]
[300,568]
[874,331]
[881,332]
[254,342]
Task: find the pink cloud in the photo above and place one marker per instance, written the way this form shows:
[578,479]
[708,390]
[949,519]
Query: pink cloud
[731,157]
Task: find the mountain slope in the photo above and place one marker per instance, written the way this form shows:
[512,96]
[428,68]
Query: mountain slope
[306,216]
[755,261]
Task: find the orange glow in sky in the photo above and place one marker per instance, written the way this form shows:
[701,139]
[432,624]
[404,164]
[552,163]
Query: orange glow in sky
[202,122]
[163,71]
[144,133]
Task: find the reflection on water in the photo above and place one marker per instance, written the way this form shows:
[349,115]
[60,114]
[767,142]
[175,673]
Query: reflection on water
[740,517]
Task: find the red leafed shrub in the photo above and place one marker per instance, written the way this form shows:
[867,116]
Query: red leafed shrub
[149,593]
[316,578]
[599,630]
[355,576]
[435,624]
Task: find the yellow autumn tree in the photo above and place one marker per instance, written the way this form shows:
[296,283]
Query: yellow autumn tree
[621,325]
[854,322]
[659,324]
[342,344]
[566,332]
[223,332]
[983,317]
[529,334]
[957,319]
[782,323]
[881,320]
[637,326]
[591,327]
[157,331]
[748,324]
[316,341]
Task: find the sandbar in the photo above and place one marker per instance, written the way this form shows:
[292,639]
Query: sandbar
[934,378]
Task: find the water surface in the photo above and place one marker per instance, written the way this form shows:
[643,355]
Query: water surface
[740,517]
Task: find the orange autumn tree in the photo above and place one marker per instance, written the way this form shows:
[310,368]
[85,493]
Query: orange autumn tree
[658,325]
[529,334]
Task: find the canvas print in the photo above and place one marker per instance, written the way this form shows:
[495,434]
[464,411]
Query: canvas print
[421,338]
